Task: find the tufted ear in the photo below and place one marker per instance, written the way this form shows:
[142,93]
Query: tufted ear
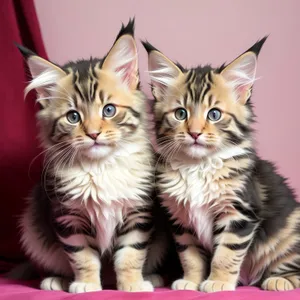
[240,73]
[44,73]
[122,58]
[163,72]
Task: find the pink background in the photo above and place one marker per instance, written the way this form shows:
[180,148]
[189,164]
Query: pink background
[194,32]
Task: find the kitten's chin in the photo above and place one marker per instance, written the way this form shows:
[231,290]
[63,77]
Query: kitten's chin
[97,152]
[195,151]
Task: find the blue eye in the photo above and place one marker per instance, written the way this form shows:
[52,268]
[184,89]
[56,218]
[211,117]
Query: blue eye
[214,114]
[73,116]
[180,114]
[109,110]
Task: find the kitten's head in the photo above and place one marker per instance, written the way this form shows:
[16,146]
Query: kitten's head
[203,110]
[92,107]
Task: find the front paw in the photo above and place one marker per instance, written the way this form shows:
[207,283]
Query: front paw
[139,286]
[55,284]
[77,287]
[211,286]
[182,284]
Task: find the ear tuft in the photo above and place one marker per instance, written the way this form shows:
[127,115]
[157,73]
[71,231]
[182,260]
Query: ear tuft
[24,51]
[148,46]
[128,29]
[163,72]
[257,46]
[44,73]
[240,73]
[122,58]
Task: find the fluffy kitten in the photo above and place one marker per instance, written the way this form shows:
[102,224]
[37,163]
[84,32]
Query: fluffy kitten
[235,220]
[95,194]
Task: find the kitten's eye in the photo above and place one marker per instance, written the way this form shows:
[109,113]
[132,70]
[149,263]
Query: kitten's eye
[73,116]
[109,110]
[180,114]
[214,114]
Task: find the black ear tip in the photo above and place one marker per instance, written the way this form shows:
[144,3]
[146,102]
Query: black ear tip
[258,45]
[24,51]
[128,29]
[148,46]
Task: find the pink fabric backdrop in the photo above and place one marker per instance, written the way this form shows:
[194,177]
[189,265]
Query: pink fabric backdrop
[195,32]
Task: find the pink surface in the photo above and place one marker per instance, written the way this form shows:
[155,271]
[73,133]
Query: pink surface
[195,32]
[18,290]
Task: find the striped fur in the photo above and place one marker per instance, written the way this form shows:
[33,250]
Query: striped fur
[95,195]
[234,219]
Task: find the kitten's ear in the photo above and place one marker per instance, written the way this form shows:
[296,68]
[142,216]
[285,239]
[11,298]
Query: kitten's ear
[240,73]
[122,58]
[44,73]
[163,72]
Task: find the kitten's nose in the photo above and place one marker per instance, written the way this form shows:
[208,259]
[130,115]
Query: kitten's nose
[194,135]
[93,135]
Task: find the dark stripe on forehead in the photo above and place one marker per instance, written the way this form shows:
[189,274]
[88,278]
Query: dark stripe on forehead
[101,96]
[205,91]
[210,100]
[76,87]
[209,76]
[74,98]
[94,72]
[185,99]
[78,91]
[95,86]
[94,83]
[189,75]
[190,92]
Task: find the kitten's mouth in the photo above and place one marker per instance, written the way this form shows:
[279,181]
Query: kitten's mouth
[98,145]
[201,145]
[197,144]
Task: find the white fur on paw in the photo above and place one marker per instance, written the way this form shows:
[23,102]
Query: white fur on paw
[55,284]
[140,286]
[211,286]
[83,287]
[277,284]
[182,284]
[155,279]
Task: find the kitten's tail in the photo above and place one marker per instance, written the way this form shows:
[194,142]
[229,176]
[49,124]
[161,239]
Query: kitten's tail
[23,271]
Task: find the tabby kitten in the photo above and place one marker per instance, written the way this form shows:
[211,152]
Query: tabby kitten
[234,219]
[95,193]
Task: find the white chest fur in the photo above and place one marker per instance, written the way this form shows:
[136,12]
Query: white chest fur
[104,192]
[191,193]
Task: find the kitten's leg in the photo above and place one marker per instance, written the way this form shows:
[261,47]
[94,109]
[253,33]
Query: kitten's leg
[193,260]
[231,247]
[86,265]
[284,274]
[131,251]
[84,260]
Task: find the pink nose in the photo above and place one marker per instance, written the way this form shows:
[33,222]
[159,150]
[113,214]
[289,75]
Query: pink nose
[194,135]
[93,136]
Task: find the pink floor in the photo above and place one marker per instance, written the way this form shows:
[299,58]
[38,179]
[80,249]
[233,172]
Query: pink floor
[29,290]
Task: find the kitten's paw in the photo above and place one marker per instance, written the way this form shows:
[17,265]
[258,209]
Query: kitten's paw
[155,279]
[211,286]
[55,284]
[277,284]
[83,287]
[140,286]
[182,284]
